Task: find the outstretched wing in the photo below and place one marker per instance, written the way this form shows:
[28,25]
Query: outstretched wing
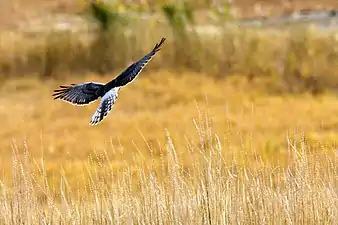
[106,104]
[134,69]
[78,94]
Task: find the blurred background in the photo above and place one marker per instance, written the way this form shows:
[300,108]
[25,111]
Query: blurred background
[252,72]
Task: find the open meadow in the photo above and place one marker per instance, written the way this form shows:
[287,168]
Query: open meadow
[236,127]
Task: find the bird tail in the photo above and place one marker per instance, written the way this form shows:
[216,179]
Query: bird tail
[106,105]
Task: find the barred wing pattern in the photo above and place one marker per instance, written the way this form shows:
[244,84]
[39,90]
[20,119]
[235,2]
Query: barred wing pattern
[106,104]
[134,69]
[78,94]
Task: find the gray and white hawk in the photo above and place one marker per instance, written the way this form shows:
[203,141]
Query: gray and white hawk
[83,94]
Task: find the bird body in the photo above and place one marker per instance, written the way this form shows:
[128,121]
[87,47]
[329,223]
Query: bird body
[86,93]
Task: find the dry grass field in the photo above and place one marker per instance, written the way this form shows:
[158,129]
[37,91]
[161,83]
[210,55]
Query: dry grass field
[237,129]
[175,149]
[216,189]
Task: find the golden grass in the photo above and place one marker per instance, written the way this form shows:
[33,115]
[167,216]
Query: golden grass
[215,189]
[177,148]
[239,111]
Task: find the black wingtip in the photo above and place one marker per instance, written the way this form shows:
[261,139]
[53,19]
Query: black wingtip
[158,45]
[58,93]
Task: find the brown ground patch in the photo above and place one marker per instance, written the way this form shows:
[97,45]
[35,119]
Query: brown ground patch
[19,10]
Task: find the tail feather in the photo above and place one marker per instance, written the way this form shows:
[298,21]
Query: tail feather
[106,105]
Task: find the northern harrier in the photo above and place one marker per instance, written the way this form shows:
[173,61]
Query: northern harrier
[83,94]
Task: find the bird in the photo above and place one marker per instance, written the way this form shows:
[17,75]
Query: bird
[88,92]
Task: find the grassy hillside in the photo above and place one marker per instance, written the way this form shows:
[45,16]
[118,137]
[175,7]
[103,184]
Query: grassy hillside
[295,60]
[298,59]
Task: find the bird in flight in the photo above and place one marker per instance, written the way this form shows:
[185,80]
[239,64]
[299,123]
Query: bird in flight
[86,93]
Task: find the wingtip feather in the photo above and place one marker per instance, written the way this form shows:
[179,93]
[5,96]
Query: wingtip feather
[58,93]
[159,45]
